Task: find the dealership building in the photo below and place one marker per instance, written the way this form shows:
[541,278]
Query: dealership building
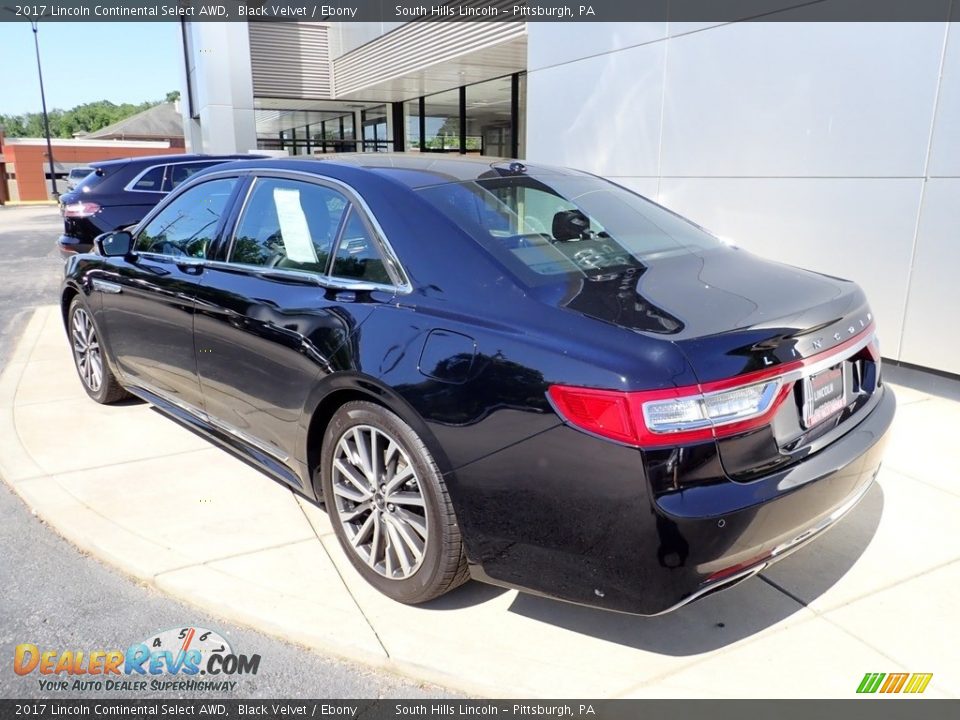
[831,146]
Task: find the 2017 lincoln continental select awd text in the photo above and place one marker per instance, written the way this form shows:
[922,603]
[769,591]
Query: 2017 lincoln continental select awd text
[526,375]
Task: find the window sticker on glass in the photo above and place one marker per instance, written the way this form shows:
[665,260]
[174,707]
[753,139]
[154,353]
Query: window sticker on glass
[293,226]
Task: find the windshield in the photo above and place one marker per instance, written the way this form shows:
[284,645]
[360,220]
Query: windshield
[80,173]
[553,226]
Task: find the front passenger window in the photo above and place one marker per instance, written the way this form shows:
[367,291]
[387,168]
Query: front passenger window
[187,226]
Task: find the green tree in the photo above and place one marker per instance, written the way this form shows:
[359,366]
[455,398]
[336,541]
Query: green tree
[87,118]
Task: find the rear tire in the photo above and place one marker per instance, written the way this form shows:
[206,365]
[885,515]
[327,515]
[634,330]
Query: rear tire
[90,356]
[389,505]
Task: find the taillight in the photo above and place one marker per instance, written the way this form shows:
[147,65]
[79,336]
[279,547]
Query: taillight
[603,412]
[80,209]
[695,413]
[669,417]
[711,410]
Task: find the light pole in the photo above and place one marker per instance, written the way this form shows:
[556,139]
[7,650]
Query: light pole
[46,120]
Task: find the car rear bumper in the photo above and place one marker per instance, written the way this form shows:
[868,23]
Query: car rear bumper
[69,245]
[623,549]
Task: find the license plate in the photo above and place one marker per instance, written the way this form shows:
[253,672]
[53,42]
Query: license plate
[823,396]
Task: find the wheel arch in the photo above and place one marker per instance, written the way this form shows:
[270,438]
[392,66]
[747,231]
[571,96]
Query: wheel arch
[333,392]
[67,294]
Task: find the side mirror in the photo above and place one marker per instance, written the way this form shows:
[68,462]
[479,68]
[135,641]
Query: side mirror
[115,244]
[570,225]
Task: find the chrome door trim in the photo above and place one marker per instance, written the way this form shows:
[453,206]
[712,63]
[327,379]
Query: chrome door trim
[205,417]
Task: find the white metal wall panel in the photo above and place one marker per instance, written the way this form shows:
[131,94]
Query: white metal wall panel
[832,146]
[291,60]
[415,46]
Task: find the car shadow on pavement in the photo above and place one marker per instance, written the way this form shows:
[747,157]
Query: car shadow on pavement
[727,617]
[131,401]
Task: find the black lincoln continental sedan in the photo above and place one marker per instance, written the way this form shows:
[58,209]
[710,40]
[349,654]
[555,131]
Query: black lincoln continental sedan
[521,374]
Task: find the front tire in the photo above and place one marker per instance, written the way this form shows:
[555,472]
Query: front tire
[389,505]
[89,356]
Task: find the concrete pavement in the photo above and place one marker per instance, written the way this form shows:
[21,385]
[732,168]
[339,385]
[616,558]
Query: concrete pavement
[30,266]
[137,490]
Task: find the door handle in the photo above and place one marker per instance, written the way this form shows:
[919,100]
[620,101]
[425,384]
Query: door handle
[192,266]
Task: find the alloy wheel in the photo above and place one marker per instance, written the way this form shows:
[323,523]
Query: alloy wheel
[86,349]
[379,501]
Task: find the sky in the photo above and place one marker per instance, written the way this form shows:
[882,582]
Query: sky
[88,61]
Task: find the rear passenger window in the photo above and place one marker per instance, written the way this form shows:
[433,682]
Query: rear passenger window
[176,174]
[151,180]
[358,255]
[288,224]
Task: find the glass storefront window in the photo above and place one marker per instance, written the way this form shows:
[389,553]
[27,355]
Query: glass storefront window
[375,137]
[442,121]
[522,116]
[489,118]
[490,121]
[411,124]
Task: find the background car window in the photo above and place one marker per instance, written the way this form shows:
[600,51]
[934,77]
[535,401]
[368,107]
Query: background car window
[358,255]
[288,224]
[176,174]
[151,180]
[187,225]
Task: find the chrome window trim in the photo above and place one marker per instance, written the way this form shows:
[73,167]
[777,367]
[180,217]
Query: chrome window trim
[401,283]
[129,187]
[325,281]
[236,223]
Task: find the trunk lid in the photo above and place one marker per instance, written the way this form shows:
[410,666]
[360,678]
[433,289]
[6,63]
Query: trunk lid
[732,313]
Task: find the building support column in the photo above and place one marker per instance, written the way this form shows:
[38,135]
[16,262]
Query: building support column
[218,88]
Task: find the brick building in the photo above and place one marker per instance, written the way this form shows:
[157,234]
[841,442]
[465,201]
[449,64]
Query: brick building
[24,166]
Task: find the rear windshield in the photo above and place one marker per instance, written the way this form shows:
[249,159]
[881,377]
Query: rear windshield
[545,228]
[93,178]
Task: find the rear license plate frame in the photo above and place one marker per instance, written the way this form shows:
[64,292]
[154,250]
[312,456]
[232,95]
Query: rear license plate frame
[824,395]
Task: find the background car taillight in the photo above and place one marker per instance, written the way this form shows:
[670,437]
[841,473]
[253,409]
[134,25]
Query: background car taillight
[669,417]
[80,209]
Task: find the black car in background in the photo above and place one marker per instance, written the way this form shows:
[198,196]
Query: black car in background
[118,193]
[524,374]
